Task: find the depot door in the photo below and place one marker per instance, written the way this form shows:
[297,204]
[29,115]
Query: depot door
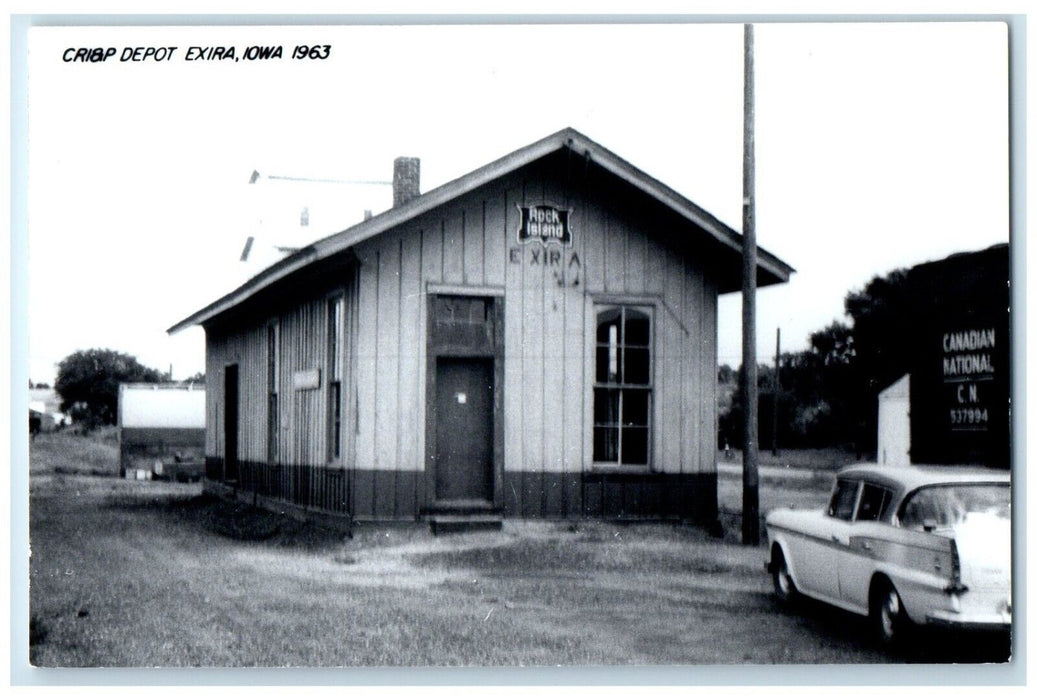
[230,423]
[464,429]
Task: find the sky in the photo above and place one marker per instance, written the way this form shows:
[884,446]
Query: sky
[877,146]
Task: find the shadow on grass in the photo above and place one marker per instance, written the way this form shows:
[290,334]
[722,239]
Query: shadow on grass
[82,471]
[575,556]
[230,519]
[923,645]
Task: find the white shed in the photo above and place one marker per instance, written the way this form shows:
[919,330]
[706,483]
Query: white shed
[157,422]
[894,443]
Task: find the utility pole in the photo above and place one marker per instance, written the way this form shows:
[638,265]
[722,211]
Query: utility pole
[777,390]
[750,470]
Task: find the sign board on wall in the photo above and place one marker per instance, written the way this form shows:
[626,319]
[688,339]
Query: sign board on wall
[544,223]
[968,376]
[306,379]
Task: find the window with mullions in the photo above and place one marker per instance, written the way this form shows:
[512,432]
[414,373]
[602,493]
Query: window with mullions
[622,385]
[335,321]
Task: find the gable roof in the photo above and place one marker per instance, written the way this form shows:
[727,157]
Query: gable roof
[770,269]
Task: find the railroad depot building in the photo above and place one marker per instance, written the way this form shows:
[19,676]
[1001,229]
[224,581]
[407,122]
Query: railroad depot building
[535,339]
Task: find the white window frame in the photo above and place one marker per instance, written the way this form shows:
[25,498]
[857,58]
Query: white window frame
[648,307]
[336,371]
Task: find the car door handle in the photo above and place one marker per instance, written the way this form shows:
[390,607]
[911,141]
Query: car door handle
[866,545]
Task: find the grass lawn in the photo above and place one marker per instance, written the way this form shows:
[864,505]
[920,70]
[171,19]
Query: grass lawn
[67,452]
[171,578]
[135,573]
[821,458]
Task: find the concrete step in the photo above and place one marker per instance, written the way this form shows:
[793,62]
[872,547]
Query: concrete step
[442,524]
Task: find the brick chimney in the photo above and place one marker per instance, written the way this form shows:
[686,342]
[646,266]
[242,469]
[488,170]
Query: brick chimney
[406,180]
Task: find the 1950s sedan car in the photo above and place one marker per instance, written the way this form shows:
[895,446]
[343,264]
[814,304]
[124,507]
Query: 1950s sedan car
[905,545]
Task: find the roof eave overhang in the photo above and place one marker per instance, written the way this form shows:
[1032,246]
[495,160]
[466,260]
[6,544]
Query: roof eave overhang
[775,271]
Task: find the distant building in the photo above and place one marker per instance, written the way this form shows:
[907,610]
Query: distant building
[159,422]
[46,405]
[534,339]
[959,387]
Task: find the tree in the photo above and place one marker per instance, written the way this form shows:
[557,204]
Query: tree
[881,322]
[829,393]
[881,314]
[88,382]
[815,401]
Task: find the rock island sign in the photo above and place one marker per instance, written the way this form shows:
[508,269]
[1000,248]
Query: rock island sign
[545,223]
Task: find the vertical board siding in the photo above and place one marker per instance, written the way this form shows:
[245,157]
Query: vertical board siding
[213,395]
[495,248]
[367,380]
[514,421]
[591,231]
[367,383]
[553,388]
[247,349]
[531,341]
[300,473]
[709,418]
[668,411]
[304,340]
[573,389]
[614,245]
[635,267]
[654,267]
[474,242]
[549,328]
[453,246]
[410,388]
[387,348]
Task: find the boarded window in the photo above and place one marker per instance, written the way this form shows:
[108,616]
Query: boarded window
[622,385]
[462,322]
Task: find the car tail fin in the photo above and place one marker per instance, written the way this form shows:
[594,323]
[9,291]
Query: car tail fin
[956,585]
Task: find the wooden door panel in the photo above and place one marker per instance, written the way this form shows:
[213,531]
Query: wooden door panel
[464,429]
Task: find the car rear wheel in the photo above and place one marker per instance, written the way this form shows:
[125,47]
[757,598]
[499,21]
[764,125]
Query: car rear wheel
[889,619]
[784,586]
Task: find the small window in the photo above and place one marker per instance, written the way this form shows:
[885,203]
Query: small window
[336,314]
[460,321]
[843,500]
[874,503]
[273,422]
[461,310]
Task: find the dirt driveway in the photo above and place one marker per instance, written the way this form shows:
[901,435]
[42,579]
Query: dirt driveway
[130,573]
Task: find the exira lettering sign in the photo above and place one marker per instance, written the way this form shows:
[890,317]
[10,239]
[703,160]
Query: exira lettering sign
[544,223]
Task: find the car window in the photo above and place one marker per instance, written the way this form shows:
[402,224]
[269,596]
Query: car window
[947,506]
[843,499]
[874,502]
